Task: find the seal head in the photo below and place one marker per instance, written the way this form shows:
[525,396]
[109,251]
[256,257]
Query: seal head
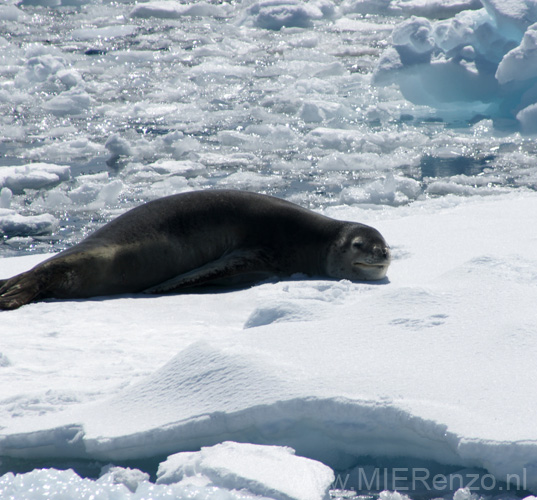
[359,254]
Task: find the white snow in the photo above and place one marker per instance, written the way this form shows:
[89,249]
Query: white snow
[420,126]
[438,364]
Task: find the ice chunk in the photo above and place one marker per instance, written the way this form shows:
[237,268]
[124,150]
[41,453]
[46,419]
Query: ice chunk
[366,6]
[392,495]
[272,471]
[528,119]
[54,3]
[465,494]
[131,478]
[41,69]
[433,9]
[521,62]
[110,192]
[11,13]
[70,102]
[105,32]
[69,77]
[275,14]
[393,190]
[52,200]
[96,191]
[131,484]
[5,197]
[512,17]
[175,10]
[14,224]
[184,168]
[33,176]
[118,145]
[331,138]
[413,40]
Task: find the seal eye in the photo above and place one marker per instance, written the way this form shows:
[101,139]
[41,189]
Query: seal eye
[357,245]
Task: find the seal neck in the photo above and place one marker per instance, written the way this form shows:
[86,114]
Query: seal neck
[314,251]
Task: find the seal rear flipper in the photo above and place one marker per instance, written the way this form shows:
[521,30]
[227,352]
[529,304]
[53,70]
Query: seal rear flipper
[232,265]
[20,290]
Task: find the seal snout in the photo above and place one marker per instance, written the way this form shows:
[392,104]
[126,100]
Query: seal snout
[377,256]
[382,253]
[373,263]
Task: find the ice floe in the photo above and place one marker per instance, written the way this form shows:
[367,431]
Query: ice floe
[435,365]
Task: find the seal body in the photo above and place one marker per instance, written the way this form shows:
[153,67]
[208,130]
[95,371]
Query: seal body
[199,238]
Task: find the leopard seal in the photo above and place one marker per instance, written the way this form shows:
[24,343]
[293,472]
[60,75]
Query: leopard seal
[198,238]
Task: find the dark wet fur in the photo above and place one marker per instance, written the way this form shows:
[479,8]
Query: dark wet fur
[19,290]
[162,246]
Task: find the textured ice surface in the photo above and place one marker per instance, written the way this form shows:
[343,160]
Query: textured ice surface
[436,366]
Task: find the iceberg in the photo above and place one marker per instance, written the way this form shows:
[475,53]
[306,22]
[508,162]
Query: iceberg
[478,63]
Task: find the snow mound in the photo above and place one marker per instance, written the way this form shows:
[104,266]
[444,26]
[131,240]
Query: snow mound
[276,313]
[477,63]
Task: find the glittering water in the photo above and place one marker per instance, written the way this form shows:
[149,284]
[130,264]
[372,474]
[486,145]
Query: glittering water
[141,107]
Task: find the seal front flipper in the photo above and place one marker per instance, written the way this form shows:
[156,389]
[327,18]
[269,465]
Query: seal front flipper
[237,264]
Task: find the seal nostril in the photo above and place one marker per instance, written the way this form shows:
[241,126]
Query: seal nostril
[381,252]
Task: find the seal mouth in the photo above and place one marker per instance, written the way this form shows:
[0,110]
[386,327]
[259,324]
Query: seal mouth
[373,266]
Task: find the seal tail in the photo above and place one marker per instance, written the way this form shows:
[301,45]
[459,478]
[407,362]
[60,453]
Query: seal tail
[19,290]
